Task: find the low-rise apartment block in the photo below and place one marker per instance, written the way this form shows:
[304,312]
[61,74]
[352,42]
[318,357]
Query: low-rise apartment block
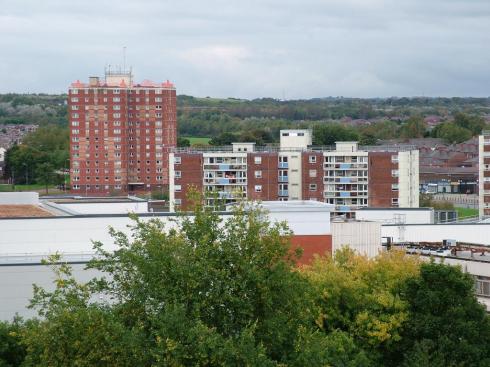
[346,175]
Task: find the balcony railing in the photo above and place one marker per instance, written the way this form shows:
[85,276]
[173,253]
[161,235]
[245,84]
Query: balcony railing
[282,178]
[225,167]
[283,165]
[225,181]
[354,179]
[283,193]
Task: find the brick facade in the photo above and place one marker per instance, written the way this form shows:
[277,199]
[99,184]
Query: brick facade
[312,176]
[381,192]
[190,170]
[262,173]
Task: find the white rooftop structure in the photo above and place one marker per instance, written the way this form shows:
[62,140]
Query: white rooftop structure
[295,139]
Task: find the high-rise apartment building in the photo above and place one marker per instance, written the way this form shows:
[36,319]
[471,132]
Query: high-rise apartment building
[345,175]
[484,174]
[120,134]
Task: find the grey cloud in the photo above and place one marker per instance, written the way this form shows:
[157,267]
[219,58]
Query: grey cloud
[254,48]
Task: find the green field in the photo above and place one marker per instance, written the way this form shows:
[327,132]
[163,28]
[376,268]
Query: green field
[196,140]
[35,187]
[466,212]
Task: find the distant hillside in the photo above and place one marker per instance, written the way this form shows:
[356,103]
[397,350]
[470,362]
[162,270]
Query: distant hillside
[261,119]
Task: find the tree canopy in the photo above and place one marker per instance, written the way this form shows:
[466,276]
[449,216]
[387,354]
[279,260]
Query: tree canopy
[210,291]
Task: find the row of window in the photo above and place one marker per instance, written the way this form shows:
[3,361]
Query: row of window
[116,115]
[115,131]
[117,178]
[284,187]
[97,187]
[118,91]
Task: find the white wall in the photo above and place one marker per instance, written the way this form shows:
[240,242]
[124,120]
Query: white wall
[408,179]
[295,138]
[16,286]
[304,223]
[294,175]
[74,235]
[363,237]
[410,216]
[19,198]
[472,233]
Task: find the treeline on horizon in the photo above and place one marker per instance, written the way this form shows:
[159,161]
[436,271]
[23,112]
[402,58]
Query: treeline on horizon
[51,108]
[260,120]
[210,292]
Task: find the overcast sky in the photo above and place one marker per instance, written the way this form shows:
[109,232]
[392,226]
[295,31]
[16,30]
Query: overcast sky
[253,48]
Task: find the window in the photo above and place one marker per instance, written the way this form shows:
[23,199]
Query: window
[258,174]
[75,115]
[74,99]
[312,159]
[177,174]
[258,188]
[116,99]
[394,173]
[394,201]
[312,187]
[394,158]
[257,160]
[312,173]
[482,285]
[394,187]
[178,201]
[177,188]
[177,160]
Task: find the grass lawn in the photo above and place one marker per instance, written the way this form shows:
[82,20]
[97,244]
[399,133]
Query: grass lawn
[195,140]
[466,212]
[35,187]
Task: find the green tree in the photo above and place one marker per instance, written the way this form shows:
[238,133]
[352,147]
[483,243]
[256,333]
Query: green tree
[45,175]
[12,353]
[183,142]
[223,139]
[47,145]
[446,325]
[208,292]
[415,127]
[451,132]
[473,123]
[328,134]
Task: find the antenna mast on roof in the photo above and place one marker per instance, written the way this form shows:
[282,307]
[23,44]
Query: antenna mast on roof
[124,59]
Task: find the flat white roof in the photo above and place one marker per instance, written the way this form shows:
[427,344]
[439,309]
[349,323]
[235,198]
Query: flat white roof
[297,205]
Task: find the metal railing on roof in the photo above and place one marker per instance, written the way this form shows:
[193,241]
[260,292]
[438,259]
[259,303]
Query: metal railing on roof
[274,148]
